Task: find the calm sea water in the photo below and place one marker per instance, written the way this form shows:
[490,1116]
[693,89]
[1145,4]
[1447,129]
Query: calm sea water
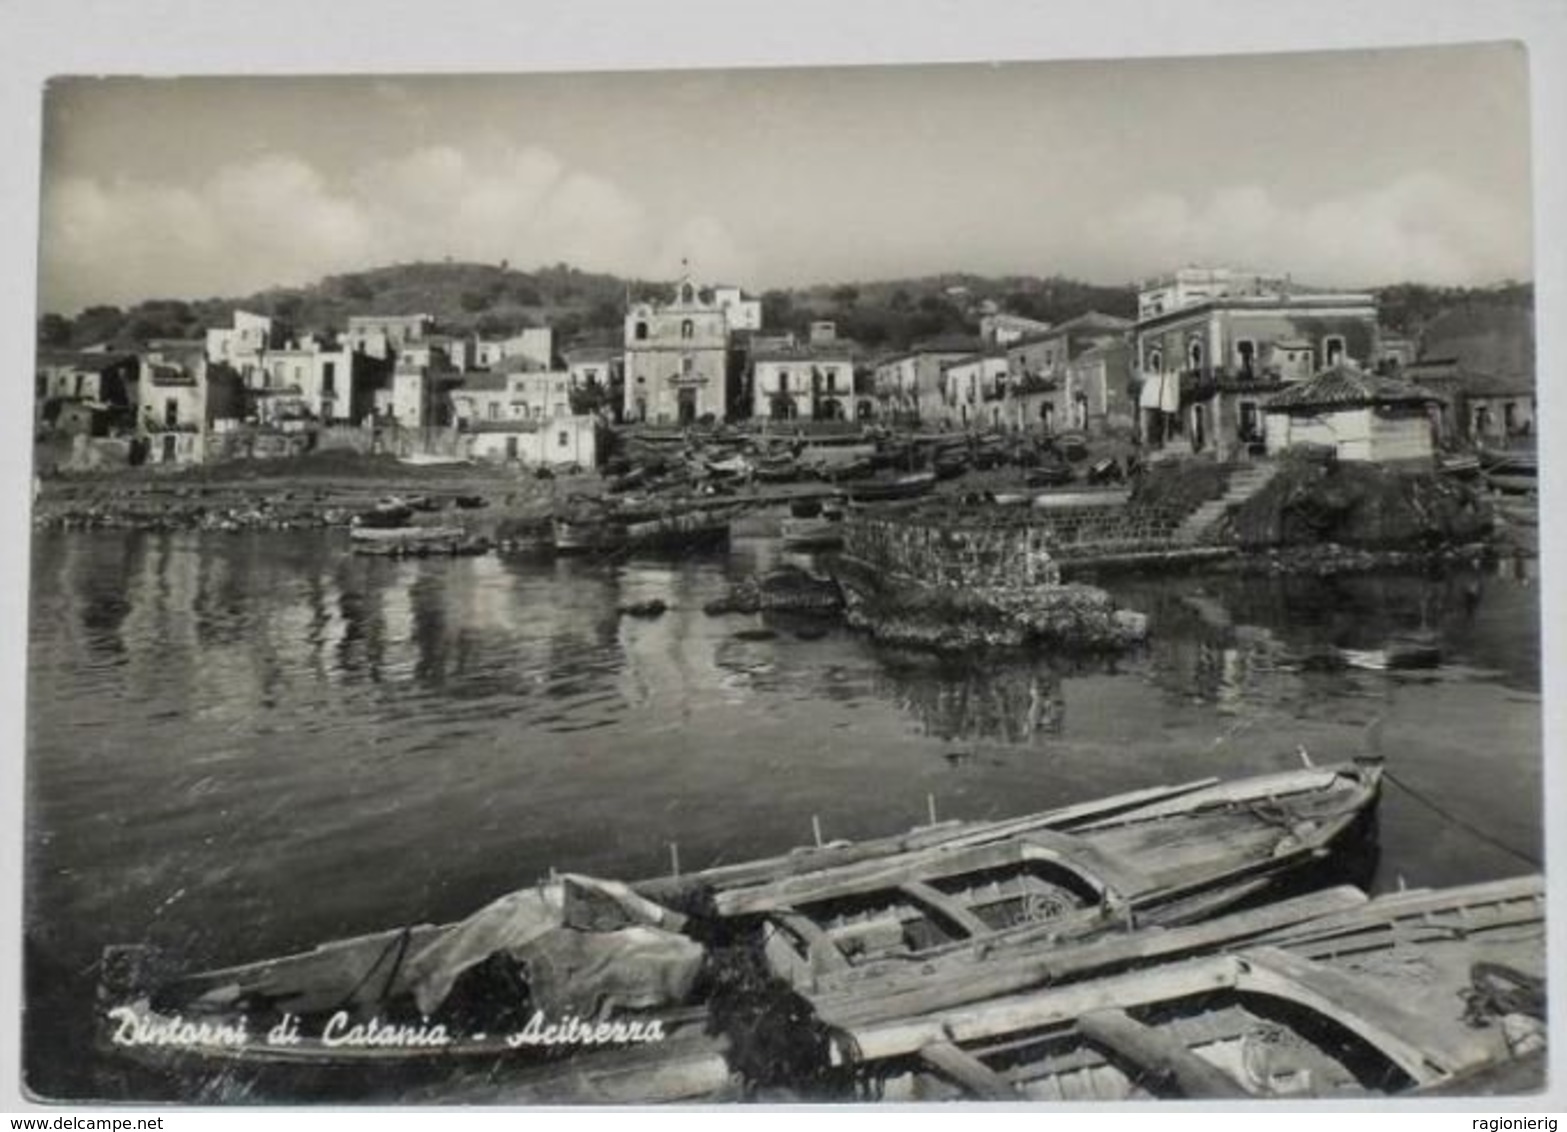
[244,744]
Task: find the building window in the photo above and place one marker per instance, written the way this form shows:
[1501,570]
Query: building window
[1246,356]
[641,331]
[687,328]
[1194,354]
[687,366]
[328,378]
[687,294]
[1249,430]
[1332,350]
[1156,360]
[783,381]
[562,439]
[495,411]
[171,412]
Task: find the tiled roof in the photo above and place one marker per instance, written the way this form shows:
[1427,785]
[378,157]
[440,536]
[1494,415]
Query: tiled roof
[1344,387]
[1095,320]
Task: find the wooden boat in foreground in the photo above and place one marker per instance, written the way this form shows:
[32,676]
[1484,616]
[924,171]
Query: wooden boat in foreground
[1324,996]
[822,917]
[1159,865]
[1407,993]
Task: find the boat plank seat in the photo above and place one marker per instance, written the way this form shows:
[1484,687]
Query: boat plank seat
[983,1082]
[1424,1051]
[823,951]
[946,906]
[1117,878]
[1159,1055]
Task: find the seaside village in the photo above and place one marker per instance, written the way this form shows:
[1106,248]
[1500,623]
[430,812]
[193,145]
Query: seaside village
[1217,361]
[1210,938]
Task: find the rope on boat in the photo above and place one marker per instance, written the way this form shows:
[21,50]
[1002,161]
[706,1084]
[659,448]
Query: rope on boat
[1467,827]
[397,949]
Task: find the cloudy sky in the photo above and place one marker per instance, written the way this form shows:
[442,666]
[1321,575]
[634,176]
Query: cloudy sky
[1349,168]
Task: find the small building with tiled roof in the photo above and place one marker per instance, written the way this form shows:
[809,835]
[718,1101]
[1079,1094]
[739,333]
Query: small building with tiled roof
[1358,414]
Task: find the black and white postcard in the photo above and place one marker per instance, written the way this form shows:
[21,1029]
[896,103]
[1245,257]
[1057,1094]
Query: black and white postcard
[906,582]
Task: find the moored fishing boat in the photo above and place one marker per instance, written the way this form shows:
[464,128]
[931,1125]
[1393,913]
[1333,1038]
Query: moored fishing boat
[585,534]
[601,952]
[1405,994]
[385,515]
[1159,865]
[416,542]
[904,487]
[680,530]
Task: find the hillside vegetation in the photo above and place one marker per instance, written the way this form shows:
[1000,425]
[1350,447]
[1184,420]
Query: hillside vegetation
[496,299]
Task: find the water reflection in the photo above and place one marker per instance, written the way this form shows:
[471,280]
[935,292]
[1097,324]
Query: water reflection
[244,744]
[1015,701]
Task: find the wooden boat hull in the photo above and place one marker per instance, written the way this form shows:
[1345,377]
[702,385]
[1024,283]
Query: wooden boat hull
[571,536]
[906,487]
[1166,864]
[1512,483]
[358,975]
[1380,999]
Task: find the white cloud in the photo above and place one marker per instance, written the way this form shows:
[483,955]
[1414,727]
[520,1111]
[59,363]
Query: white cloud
[277,220]
[1421,227]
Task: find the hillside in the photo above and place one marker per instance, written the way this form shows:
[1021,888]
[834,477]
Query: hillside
[497,299]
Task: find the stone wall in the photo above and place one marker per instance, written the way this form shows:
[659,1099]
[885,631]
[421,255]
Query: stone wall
[995,546]
[932,553]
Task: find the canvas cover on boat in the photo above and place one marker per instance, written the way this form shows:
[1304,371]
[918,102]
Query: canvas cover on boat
[585,943]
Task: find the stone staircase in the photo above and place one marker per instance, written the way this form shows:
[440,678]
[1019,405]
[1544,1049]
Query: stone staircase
[1245,482]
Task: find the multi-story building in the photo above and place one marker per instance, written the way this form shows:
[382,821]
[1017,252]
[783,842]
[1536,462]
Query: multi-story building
[384,335]
[239,345]
[1208,351]
[973,391]
[812,381]
[521,394]
[87,391]
[1097,391]
[1004,329]
[908,385]
[742,313]
[677,359]
[1038,366]
[172,402]
[536,343]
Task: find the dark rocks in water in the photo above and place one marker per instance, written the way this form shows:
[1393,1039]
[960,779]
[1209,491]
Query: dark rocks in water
[1068,618]
[653,607]
[788,589]
[469,502]
[758,634]
[811,633]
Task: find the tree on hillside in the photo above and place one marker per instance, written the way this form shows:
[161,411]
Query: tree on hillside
[97,324]
[54,331]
